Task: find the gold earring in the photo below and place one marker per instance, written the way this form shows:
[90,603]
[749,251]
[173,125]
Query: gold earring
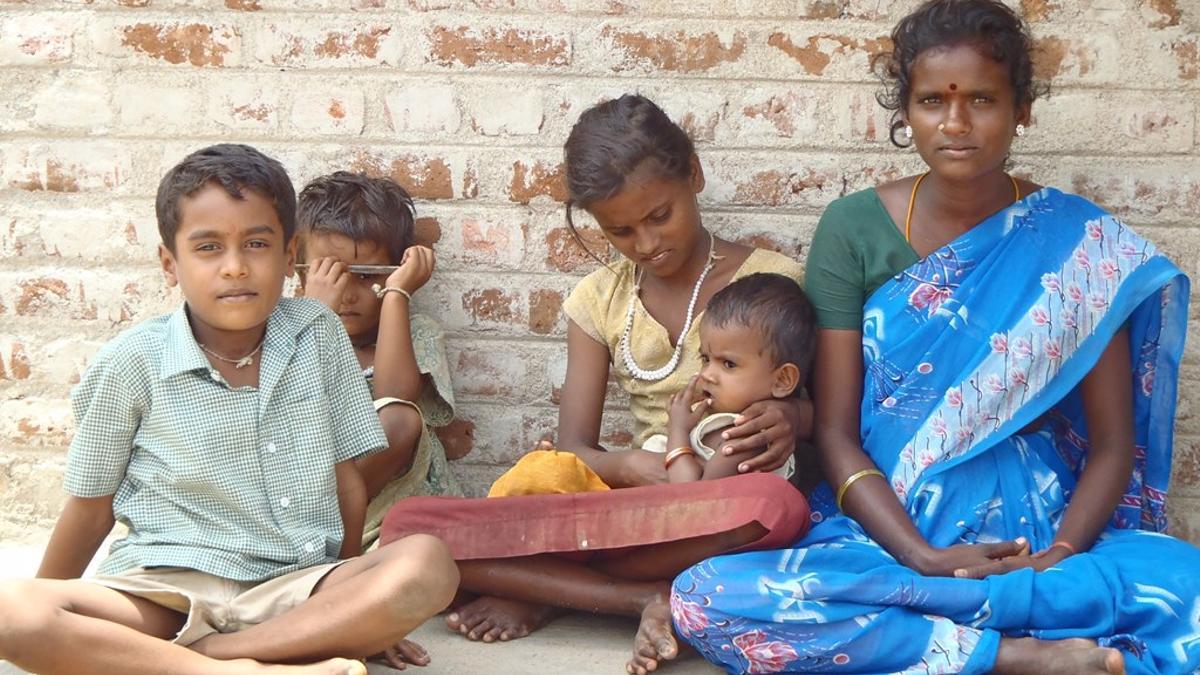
[942,126]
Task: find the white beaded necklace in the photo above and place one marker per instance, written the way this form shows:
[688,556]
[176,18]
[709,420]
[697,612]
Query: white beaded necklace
[627,356]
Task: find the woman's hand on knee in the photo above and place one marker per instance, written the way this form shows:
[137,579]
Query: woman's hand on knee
[767,424]
[1038,562]
[953,561]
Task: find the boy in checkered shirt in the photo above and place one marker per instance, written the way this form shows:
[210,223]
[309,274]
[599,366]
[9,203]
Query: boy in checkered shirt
[223,435]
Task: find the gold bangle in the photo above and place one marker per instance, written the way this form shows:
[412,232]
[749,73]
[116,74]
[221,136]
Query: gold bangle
[850,481]
[676,454]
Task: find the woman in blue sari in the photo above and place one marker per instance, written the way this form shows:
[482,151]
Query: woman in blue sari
[999,477]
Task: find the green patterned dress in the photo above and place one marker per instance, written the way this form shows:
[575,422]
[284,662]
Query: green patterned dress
[430,473]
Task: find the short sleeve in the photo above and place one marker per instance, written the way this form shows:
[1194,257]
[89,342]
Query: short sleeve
[356,427]
[108,404]
[834,276]
[583,304]
[429,348]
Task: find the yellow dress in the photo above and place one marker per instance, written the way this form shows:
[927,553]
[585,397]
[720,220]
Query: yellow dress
[599,305]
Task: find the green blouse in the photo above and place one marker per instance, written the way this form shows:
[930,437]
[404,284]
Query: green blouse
[856,249]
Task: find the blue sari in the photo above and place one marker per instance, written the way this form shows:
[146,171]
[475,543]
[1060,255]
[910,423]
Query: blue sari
[973,359]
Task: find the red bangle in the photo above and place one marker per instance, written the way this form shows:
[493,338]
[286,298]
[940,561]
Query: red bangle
[1066,545]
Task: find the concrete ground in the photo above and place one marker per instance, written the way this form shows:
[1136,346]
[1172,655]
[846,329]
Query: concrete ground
[575,644]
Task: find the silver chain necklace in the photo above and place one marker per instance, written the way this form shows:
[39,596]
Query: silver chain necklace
[627,356]
[247,360]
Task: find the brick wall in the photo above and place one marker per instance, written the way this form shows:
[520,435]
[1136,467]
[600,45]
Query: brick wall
[467,102]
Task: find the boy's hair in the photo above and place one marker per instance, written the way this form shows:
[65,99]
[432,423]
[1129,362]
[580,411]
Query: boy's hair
[359,207]
[235,168]
[777,308]
[613,139]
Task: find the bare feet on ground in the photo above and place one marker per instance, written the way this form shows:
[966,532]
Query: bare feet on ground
[1021,656]
[490,619]
[655,640]
[402,653]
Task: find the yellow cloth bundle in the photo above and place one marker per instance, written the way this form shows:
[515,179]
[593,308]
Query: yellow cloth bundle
[545,472]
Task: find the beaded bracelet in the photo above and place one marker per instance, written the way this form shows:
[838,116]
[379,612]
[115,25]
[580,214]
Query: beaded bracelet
[381,291]
[676,454]
[850,481]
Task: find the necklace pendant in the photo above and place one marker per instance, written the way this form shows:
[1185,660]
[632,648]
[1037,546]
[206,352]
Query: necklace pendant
[247,360]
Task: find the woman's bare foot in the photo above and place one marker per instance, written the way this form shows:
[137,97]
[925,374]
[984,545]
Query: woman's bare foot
[655,640]
[1018,656]
[489,619]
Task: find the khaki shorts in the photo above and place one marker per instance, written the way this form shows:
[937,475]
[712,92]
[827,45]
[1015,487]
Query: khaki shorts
[214,604]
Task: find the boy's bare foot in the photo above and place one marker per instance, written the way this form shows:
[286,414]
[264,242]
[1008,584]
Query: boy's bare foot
[489,619]
[1018,656]
[655,640]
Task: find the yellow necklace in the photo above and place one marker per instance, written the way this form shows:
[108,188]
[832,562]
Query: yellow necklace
[912,199]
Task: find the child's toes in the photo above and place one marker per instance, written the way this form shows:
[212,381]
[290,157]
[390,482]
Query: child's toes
[494,633]
[479,630]
[412,652]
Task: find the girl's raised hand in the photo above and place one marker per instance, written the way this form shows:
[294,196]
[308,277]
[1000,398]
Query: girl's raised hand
[326,280]
[773,424]
[415,269]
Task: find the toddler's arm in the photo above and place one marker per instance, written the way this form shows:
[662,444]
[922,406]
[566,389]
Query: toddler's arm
[352,502]
[721,465]
[681,417]
[81,528]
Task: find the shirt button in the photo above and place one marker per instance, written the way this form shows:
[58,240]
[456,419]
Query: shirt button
[270,447]
[285,502]
[310,547]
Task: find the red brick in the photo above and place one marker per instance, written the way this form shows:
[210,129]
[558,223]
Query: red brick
[1187,52]
[542,179]
[197,44]
[818,51]
[1168,13]
[773,187]
[545,309]
[67,168]
[490,46]
[673,52]
[428,231]
[423,177]
[1038,10]
[300,46]
[14,365]
[486,373]
[492,306]
[492,244]
[565,254]
[243,5]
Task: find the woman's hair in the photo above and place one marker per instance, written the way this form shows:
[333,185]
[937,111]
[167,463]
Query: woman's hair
[988,25]
[613,139]
[359,207]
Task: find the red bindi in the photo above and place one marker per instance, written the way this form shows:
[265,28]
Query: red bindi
[953,87]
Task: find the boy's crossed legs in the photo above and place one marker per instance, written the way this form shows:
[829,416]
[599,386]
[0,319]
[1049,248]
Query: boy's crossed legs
[361,608]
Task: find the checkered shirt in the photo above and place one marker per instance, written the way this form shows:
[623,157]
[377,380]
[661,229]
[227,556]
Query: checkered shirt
[238,483]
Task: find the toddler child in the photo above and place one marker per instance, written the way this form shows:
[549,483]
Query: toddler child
[349,219]
[223,436]
[756,343]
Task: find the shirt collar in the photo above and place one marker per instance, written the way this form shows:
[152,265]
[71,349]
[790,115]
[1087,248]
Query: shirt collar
[181,352]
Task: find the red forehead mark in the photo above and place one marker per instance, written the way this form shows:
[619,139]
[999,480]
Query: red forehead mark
[953,87]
